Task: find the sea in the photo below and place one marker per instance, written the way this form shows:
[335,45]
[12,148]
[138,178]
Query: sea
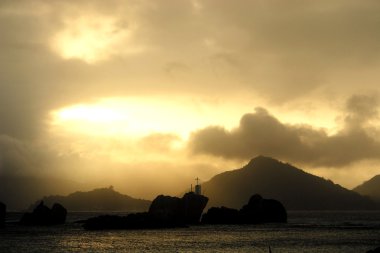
[306,231]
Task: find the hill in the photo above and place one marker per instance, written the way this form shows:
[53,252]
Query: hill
[296,189]
[102,199]
[370,188]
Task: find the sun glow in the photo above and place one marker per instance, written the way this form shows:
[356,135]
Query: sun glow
[138,117]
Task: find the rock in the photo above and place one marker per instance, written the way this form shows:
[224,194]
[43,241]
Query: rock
[187,210]
[193,205]
[164,212]
[258,210]
[167,209]
[377,250]
[3,209]
[221,215]
[58,213]
[43,215]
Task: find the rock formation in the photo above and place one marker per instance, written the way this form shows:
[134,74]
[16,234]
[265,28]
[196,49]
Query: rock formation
[167,209]
[43,215]
[187,210]
[58,214]
[164,212]
[2,214]
[258,210]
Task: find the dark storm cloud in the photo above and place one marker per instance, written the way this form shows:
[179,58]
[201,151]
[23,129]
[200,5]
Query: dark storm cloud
[262,133]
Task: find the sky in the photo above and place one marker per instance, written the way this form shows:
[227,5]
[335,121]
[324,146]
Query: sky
[148,95]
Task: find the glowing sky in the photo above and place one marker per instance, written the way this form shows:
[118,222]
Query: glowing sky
[128,92]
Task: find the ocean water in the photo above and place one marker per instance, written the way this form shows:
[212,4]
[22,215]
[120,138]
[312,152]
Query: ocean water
[305,232]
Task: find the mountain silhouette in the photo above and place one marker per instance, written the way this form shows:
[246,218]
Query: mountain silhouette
[370,188]
[296,189]
[102,199]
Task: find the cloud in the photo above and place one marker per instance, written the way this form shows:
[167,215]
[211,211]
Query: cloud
[159,142]
[262,133]
[361,110]
[303,49]
[279,51]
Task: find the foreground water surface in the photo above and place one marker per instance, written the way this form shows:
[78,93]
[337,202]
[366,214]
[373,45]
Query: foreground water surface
[305,232]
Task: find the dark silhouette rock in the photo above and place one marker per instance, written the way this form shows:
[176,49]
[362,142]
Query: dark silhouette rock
[167,209]
[164,212]
[258,210]
[58,213]
[44,216]
[221,215]
[3,209]
[187,210]
[377,250]
[193,205]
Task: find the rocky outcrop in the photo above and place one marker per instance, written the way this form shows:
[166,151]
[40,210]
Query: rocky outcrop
[258,210]
[185,210]
[44,216]
[58,214]
[193,206]
[3,208]
[167,209]
[164,212]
